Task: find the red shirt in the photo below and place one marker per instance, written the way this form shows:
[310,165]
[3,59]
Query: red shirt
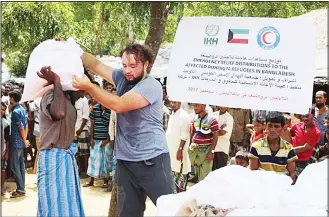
[311,137]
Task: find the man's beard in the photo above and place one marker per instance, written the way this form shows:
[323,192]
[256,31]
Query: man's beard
[135,80]
[319,105]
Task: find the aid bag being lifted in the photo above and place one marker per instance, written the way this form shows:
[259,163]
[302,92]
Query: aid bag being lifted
[64,59]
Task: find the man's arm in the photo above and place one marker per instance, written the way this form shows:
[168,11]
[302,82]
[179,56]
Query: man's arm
[83,124]
[92,125]
[57,106]
[311,143]
[291,167]
[85,115]
[253,163]
[128,102]
[303,148]
[94,65]
[215,139]
[253,158]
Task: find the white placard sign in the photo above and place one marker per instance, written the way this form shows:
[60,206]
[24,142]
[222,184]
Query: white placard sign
[251,63]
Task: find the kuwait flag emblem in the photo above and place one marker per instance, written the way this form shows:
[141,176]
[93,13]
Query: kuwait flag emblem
[238,36]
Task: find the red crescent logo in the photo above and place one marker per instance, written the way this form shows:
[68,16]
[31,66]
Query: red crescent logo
[263,38]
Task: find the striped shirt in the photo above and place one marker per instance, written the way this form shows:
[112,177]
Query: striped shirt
[203,129]
[270,161]
[102,120]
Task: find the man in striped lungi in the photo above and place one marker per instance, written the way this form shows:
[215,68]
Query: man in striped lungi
[59,192]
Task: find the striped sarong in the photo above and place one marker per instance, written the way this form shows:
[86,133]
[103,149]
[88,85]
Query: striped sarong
[59,190]
[99,163]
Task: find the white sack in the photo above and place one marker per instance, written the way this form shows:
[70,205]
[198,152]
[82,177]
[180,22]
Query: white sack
[311,188]
[278,212]
[229,187]
[64,59]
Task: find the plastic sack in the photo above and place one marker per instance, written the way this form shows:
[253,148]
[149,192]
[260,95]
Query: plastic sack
[227,187]
[303,212]
[310,190]
[64,59]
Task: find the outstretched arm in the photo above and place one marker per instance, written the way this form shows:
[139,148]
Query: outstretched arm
[95,66]
[128,102]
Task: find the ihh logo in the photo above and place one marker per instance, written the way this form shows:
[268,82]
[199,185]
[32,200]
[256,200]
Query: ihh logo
[211,31]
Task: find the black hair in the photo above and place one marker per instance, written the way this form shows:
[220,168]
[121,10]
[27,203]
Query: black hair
[243,155]
[106,83]
[85,71]
[95,82]
[143,53]
[276,117]
[3,104]
[16,95]
[21,85]
[260,120]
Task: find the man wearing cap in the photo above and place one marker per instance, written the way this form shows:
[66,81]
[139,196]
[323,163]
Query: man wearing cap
[305,137]
[321,112]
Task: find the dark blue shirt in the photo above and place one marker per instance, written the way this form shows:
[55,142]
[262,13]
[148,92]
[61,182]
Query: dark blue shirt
[102,120]
[18,120]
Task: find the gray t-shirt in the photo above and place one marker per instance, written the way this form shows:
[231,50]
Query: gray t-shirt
[140,134]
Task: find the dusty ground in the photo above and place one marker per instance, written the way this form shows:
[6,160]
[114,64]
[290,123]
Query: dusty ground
[95,201]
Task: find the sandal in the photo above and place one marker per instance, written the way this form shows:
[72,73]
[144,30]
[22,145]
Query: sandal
[16,194]
[88,184]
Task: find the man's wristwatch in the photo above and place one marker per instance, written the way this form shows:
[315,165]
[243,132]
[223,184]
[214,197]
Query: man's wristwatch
[212,151]
[180,148]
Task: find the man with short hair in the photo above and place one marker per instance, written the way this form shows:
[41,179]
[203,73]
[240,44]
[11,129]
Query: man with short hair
[225,120]
[321,112]
[100,149]
[82,134]
[59,191]
[204,140]
[34,107]
[18,142]
[240,134]
[272,153]
[178,137]
[305,137]
[143,162]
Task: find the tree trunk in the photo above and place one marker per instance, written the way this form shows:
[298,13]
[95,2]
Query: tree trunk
[99,28]
[159,14]
[113,210]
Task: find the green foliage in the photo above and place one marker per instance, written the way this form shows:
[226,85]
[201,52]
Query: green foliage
[25,24]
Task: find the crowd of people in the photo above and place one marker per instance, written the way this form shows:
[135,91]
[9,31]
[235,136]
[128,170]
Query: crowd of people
[127,130]
[219,136]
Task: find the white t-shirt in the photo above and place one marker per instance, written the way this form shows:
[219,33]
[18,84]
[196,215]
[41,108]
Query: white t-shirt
[223,142]
[82,108]
[35,107]
[3,127]
[179,129]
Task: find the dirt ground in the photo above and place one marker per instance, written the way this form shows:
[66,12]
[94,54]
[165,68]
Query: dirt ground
[95,201]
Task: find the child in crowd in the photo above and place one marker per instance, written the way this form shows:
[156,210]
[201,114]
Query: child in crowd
[256,129]
[241,158]
[286,135]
